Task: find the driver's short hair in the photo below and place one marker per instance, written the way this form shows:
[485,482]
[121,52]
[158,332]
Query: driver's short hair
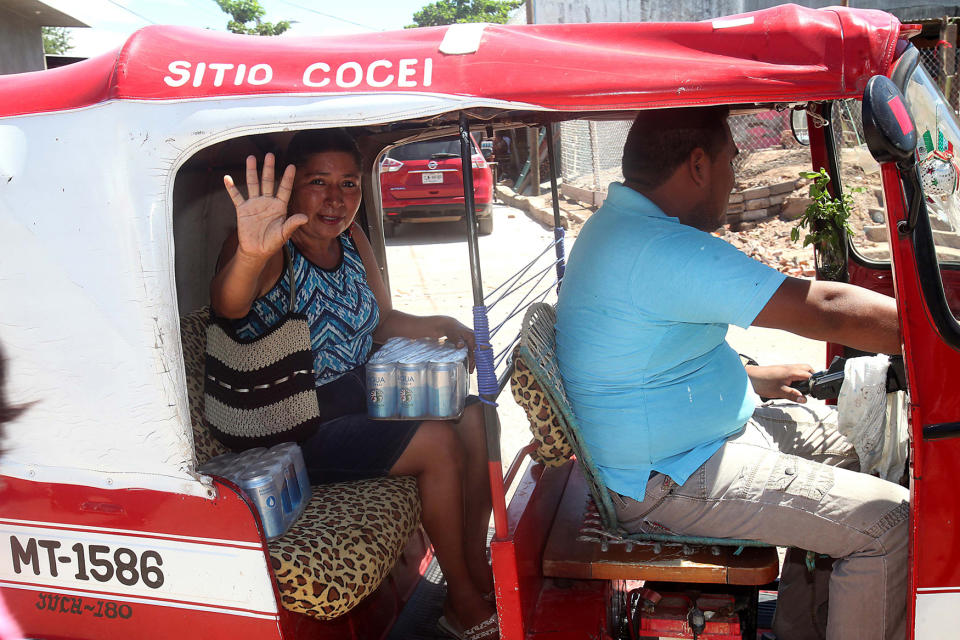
[661,139]
[310,141]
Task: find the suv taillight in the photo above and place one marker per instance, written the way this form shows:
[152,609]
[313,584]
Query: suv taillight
[390,165]
[478,162]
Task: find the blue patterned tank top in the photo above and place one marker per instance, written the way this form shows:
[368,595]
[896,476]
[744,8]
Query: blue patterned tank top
[338,303]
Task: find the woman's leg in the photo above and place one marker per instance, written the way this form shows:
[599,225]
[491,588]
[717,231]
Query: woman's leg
[476,488]
[435,457]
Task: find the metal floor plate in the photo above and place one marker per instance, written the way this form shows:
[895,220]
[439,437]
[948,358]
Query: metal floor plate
[418,620]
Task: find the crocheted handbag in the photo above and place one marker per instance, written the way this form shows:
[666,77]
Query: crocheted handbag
[260,391]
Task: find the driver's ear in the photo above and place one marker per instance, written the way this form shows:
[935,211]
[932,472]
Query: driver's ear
[698,164]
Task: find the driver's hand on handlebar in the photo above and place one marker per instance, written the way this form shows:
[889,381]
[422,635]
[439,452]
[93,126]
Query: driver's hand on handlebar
[774,381]
[262,223]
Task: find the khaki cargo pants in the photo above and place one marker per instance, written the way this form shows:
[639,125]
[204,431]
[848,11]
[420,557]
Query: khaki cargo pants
[789,479]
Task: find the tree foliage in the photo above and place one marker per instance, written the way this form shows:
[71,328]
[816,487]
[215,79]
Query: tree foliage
[444,12]
[243,12]
[56,40]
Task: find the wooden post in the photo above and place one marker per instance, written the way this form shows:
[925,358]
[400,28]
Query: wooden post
[948,60]
[533,143]
[594,153]
[533,151]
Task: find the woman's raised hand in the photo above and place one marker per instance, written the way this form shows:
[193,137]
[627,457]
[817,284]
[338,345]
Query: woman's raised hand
[262,223]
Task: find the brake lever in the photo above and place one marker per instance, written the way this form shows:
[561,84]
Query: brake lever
[826,385]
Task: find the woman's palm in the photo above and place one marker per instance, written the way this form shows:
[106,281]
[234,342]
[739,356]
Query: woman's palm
[262,223]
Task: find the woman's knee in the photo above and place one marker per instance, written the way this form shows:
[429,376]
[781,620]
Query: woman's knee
[471,426]
[440,440]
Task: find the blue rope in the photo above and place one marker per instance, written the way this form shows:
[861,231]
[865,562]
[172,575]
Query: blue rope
[511,282]
[486,378]
[559,233]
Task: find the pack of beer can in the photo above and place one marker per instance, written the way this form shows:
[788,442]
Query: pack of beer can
[417,379]
[275,480]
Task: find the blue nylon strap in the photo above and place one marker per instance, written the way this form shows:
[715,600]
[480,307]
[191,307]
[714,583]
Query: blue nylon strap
[486,378]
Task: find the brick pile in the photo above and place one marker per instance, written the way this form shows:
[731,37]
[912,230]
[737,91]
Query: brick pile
[759,203]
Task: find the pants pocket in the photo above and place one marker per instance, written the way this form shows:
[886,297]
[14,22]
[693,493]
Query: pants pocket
[799,477]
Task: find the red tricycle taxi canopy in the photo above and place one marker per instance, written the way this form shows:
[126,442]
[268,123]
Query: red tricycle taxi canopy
[787,53]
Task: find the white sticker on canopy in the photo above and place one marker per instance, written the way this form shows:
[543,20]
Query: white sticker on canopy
[226,576]
[727,23]
[462,38]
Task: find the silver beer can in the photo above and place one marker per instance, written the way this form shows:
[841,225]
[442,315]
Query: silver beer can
[263,488]
[276,470]
[291,481]
[250,456]
[443,389]
[411,381]
[381,389]
[292,449]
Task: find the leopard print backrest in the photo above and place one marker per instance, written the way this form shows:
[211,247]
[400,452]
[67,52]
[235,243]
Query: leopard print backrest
[193,334]
[553,449]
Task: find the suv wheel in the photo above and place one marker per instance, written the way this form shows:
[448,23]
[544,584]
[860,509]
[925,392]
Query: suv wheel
[485,226]
[389,229]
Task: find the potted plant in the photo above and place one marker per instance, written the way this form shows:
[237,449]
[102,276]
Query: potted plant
[825,221]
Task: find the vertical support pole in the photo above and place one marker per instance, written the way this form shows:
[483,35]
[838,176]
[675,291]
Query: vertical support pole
[558,231]
[483,355]
[533,149]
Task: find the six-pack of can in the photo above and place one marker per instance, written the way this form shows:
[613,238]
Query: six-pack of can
[275,480]
[417,379]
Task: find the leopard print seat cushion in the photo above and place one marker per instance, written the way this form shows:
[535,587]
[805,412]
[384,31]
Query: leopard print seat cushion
[345,544]
[350,534]
[553,448]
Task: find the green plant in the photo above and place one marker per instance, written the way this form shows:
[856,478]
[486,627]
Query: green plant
[826,222]
[244,11]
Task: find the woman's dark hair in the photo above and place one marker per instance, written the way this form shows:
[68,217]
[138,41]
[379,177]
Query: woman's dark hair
[306,143]
[661,139]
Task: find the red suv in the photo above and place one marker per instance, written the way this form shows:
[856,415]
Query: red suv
[422,182]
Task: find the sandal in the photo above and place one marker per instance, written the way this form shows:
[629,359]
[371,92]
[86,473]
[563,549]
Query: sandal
[489,628]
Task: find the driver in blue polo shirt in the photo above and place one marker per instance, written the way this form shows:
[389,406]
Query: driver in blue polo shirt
[670,414]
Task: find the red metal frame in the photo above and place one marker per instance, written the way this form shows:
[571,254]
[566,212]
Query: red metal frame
[228,517]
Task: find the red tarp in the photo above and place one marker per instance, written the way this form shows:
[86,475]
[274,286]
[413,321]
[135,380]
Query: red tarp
[787,53]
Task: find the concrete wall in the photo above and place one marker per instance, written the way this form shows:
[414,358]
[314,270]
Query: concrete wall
[21,45]
[563,11]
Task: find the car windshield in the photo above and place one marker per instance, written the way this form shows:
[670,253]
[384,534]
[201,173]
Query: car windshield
[440,148]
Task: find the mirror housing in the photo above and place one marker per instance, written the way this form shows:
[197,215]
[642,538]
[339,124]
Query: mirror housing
[798,126]
[887,125]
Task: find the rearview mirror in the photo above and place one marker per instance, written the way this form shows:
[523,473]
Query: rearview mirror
[887,125]
[798,126]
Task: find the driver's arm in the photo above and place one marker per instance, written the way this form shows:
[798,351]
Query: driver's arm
[834,312]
